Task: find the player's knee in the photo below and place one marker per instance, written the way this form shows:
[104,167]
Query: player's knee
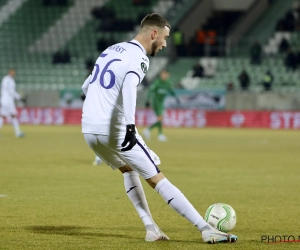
[155,179]
[125,169]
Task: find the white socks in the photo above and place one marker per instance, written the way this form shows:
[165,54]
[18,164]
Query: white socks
[173,196]
[170,194]
[1,121]
[135,193]
[15,123]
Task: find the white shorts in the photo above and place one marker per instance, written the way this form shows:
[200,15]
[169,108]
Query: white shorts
[140,158]
[8,110]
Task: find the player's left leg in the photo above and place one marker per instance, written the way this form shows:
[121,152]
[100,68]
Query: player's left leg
[161,136]
[133,186]
[15,124]
[158,110]
[1,121]
[135,193]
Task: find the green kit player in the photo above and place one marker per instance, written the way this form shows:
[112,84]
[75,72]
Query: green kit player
[157,93]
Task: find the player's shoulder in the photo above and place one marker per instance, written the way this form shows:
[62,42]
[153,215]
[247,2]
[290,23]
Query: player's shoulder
[128,50]
[118,47]
[136,50]
[7,78]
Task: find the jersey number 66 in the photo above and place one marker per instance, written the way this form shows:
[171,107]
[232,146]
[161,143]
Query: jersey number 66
[103,72]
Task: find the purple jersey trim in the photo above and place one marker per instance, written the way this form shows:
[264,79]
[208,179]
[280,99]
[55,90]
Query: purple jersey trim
[146,152]
[136,74]
[136,45]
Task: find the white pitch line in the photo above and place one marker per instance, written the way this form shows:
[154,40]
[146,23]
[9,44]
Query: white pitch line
[3,195]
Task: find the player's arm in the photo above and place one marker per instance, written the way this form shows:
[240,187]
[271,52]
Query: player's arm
[172,92]
[151,89]
[150,93]
[10,86]
[129,93]
[86,84]
[136,71]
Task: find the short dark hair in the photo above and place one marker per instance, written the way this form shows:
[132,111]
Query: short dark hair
[155,19]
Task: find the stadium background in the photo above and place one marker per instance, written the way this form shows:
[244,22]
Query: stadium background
[51,197]
[53,45]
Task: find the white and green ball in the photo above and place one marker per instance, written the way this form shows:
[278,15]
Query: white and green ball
[221,216]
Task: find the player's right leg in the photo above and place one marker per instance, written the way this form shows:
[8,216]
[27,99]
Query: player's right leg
[158,110]
[161,136]
[3,114]
[144,161]
[176,199]
[135,193]
[147,133]
[16,126]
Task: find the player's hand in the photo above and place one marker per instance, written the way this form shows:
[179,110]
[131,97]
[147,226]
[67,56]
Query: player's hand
[147,104]
[23,98]
[82,96]
[129,137]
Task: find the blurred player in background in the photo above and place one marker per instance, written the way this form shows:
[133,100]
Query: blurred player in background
[97,161]
[108,126]
[8,107]
[157,93]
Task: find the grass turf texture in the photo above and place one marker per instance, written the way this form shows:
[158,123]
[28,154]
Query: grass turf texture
[56,199]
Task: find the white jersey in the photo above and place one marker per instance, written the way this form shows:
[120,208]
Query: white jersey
[111,89]
[8,91]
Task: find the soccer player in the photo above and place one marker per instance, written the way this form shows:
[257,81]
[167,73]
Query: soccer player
[8,96]
[158,92]
[108,126]
[97,161]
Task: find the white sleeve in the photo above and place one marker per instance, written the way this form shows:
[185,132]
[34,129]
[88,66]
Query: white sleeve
[129,93]
[86,84]
[11,88]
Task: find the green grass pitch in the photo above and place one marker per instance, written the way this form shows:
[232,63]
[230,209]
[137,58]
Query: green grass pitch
[56,199]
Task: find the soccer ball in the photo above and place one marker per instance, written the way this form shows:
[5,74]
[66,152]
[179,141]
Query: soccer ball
[221,216]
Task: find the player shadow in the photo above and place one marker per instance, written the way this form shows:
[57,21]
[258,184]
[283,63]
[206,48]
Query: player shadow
[81,232]
[73,231]
[79,161]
